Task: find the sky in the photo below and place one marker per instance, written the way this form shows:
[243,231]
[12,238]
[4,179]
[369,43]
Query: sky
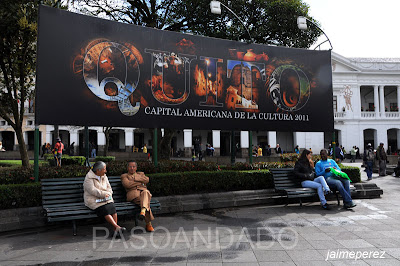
[359,28]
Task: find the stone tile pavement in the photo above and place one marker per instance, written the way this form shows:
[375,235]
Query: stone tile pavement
[257,235]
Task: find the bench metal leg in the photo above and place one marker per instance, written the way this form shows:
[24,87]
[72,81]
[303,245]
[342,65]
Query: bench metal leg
[301,203]
[337,198]
[136,219]
[74,227]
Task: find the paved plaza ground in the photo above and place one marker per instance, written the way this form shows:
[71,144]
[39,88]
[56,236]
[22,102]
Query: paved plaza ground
[257,235]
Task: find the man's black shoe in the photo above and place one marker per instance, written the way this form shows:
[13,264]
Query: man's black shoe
[326,206]
[349,206]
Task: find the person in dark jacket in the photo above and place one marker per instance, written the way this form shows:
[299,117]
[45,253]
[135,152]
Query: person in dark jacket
[304,171]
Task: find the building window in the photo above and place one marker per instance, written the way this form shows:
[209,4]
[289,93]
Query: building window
[334,104]
[371,107]
[393,107]
[29,122]
[3,123]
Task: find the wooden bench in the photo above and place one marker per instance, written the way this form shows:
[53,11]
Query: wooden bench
[286,182]
[62,200]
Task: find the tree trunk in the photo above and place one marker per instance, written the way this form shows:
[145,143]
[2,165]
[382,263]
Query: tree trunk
[56,134]
[106,131]
[22,147]
[165,145]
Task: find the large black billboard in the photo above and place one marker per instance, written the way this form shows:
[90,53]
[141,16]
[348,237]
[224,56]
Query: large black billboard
[97,72]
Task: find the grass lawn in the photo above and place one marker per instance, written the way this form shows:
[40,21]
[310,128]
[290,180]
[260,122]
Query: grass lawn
[19,162]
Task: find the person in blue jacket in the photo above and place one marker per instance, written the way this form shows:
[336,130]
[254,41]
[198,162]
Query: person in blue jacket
[322,167]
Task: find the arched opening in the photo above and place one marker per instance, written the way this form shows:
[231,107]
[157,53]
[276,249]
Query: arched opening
[370,137]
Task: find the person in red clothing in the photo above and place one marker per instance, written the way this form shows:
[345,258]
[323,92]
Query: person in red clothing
[58,148]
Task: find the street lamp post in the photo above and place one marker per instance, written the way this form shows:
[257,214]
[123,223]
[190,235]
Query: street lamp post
[302,24]
[215,7]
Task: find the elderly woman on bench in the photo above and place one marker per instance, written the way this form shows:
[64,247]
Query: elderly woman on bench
[98,195]
[304,170]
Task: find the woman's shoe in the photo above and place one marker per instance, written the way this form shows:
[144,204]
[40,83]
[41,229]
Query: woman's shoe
[142,215]
[149,228]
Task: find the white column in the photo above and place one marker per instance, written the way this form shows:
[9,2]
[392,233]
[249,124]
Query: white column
[73,135]
[299,138]
[398,103]
[272,138]
[381,137]
[216,138]
[376,101]
[128,140]
[244,139]
[244,143]
[187,142]
[382,100]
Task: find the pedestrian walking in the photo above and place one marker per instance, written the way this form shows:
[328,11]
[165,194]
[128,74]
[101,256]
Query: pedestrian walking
[369,160]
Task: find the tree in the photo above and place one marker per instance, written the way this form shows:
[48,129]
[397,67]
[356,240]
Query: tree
[269,22]
[106,131]
[18,30]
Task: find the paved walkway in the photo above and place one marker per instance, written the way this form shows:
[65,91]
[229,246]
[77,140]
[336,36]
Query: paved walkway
[258,235]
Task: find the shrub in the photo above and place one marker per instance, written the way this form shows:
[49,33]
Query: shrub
[164,184]
[119,167]
[353,173]
[289,157]
[20,195]
[161,184]
[65,160]
[105,158]
[20,175]
[73,160]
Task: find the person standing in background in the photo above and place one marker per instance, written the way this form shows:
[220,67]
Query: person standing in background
[381,157]
[369,160]
[58,150]
[353,154]
[296,149]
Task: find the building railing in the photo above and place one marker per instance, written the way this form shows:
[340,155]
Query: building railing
[368,115]
[339,114]
[392,114]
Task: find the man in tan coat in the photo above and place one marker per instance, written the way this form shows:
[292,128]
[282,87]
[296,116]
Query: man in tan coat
[137,192]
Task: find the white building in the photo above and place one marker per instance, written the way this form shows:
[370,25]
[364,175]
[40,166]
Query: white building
[366,95]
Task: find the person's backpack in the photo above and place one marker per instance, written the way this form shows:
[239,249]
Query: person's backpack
[370,155]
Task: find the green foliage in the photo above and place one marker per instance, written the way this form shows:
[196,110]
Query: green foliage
[20,195]
[353,173]
[269,22]
[18,30]
[21,175]
[105,159]
[290,157]
[182,183]
[65,160]
[165,166]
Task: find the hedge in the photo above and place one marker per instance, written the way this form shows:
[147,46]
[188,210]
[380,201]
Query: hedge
[18,175]
[20,195]
[65,160]
[105,159]
[163,184]
[181,183]
[353,173]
